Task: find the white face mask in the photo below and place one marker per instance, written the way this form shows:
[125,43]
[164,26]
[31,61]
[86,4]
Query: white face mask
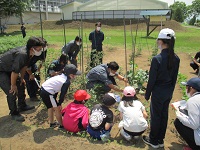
[159,47]
[78,43]
[36,53]
[111,74]
[98,28]
[188,94]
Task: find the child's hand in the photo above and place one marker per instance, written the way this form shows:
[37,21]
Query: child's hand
[60,108]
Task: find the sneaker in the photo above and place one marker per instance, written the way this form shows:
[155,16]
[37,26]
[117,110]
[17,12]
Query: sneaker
[161,143]
[136,137]
[146,140]
[186,148]
[17,117]
[25,108]
[105,137]
[53,125]
[125,135]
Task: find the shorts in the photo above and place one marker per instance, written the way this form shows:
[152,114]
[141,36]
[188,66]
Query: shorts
[48,99]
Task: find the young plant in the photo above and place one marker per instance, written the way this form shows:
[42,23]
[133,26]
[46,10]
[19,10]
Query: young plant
[182,78]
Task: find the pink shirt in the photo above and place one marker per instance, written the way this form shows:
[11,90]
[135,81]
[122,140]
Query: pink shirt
[72,114]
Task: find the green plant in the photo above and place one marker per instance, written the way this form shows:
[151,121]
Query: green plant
[138,78]
[154,52]
[182,78]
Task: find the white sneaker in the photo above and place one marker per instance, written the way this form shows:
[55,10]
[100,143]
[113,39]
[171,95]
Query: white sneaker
[125,135]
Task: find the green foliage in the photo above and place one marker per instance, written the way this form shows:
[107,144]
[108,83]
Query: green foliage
[138,78]
[193,20]
[179,5]
[196,7]
[13,7]
[182,78]
[178,15]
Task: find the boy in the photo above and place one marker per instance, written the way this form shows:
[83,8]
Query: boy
[101,118]
[54,85]
[76,114]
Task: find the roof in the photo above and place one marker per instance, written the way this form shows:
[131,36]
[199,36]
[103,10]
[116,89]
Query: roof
[154,12]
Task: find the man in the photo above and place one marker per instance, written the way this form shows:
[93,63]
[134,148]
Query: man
[96,37]
[12,64]
[189,126]
[72,49]
[196,62]
[33,73]
[23,29]
[101,78]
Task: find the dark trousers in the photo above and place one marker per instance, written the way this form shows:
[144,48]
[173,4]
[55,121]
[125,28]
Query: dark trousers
[23,34]
[96,58]
[134,133]
[160,100]
[187,134]
[31,86]
[5,84]
[194,66]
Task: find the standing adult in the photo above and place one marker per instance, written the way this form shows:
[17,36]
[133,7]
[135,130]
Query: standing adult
[72,49]
[162,79]
[195,64]
[102,78]
[12,64]
[96,37]
[32,74]
[189,127]
[23,30]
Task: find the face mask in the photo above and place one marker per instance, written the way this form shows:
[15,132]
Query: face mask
[188,94]
[98,28]
[78,43]
[111,74]
[159,47]
[36,53]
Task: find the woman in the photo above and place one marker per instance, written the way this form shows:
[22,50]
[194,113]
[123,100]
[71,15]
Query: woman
[162,79]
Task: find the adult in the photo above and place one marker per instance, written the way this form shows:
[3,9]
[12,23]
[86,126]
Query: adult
[102,78]
[56,67]
[162,79]
[32,74]
[12,64]
[96,37]
[72,49]
[23,30]
[189,127]
[195,64]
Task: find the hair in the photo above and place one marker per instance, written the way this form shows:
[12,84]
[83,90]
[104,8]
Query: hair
[80,102]
[77,38]
[170,43]
[35,41]
[113,65]
[128,101]
[63,58]
[97,23]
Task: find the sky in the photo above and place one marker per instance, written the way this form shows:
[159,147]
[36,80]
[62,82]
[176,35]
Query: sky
[188,2]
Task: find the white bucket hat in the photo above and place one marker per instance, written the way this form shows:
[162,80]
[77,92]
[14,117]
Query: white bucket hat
[166,34]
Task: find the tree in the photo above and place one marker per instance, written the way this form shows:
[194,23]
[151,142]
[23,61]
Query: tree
[178,15]
[182,6]
[13,7]
[193,20]
[196,7]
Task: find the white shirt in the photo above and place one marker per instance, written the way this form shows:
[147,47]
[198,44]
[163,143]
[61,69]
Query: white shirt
[54,84]
[193,119]
[133,120]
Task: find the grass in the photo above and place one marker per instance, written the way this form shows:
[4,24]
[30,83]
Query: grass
[186,41]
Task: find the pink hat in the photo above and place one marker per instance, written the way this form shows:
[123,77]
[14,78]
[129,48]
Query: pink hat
[81,95]
[129,91]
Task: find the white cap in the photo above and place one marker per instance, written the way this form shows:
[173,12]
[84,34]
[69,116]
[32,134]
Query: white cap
[166,34]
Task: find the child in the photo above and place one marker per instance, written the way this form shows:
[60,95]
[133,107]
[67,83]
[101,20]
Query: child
[76,114]
[133,115]
[50,87]
[101,118]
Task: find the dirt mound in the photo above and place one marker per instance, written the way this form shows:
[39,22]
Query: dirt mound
[116,24]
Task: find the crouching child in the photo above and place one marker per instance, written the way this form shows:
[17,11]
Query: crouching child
[76,114]
[133,115]
[50,87]
[101,118]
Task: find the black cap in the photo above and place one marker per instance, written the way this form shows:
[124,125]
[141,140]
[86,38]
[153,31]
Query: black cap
[194,83]
[110,99]
[71,69]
